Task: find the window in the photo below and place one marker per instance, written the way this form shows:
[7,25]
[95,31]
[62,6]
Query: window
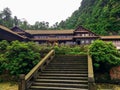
[87,41]
[82,41]
[78,34]
[36,36]
[86,34]
[83,35]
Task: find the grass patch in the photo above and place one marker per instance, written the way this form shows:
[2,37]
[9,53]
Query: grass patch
[108,87]
[8,86]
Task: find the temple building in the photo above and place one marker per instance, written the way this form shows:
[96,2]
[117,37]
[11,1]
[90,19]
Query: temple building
[9,35]
[79,36]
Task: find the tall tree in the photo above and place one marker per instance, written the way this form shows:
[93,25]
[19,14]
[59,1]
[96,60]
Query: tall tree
[6,14]
[16,21]
[6,18]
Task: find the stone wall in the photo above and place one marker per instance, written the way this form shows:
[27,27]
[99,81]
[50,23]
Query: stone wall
[115,73]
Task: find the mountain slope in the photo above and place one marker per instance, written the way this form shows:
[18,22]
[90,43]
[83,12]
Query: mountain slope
[100,16]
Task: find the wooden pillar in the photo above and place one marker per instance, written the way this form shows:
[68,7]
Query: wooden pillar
[22,83]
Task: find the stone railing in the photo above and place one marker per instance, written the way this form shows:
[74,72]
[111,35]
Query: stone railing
[91,81]
[26,80]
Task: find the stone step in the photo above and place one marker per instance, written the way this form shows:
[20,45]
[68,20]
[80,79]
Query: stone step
[61,81]
[78,62]
[53,88]
[74,70]
[61,85]
[68,67]
[54,69]
[83,60]
[66,72]
[68,64]
[70,75]
[63,77]
[71,57]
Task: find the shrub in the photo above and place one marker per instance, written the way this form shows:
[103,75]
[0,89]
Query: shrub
[104,55]
[3,46]
[62,50]
[2,60]
[21,57]
[68,50]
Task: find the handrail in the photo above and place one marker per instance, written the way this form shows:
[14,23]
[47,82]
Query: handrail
[91,80]
[26,80]
[38,65]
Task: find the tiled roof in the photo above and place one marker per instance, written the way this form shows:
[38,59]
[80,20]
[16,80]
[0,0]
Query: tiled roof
[82,29]
[110,37]
[50,31]
[19,30]
[10,31]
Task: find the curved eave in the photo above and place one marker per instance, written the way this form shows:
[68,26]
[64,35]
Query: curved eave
[80,31]
[7,34]
[110,37]
[10,31]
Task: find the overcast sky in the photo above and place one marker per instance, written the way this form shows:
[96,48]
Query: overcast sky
[41,10]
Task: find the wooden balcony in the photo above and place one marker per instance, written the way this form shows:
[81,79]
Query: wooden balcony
[52,39]
[84,37]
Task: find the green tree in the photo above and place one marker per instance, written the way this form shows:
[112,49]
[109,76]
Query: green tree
[6,18]
[16,21]
[6,14]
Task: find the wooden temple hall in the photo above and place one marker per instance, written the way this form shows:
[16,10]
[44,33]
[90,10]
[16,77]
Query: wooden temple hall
[79,36]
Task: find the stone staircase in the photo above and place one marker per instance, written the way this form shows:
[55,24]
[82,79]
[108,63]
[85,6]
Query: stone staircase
[63,73]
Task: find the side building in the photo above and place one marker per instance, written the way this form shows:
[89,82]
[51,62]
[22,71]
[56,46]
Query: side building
[7,34]
[79,36]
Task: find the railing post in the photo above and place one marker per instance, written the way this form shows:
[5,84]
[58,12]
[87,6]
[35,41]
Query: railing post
[22,83]
[91,84]
[91,81]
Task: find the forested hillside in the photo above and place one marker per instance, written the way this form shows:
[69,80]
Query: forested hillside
[100,16]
